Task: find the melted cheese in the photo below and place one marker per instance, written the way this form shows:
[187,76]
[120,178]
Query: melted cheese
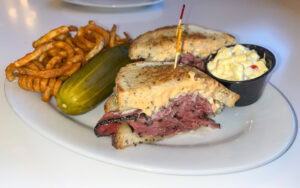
[160,95]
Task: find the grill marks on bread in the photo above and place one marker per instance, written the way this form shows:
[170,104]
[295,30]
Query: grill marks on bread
[149,86]
[160,44]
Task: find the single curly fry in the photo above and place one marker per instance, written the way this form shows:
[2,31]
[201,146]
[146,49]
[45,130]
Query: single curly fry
[52,73]
[52,34]
[39,65]
[65,46]
[47,94]
[73,28]
[29,82]
[75,67]
[98,47]
[112,36]
[34,55]
[36,84]
[9,71]
[81,37]
[54,60]
[56,87]
[44,84]
[99,30]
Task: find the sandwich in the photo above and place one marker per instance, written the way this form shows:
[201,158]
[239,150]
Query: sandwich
[153,101]
[197,43]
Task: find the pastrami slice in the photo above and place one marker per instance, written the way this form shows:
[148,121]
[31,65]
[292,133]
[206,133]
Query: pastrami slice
[184,113]
[191,60]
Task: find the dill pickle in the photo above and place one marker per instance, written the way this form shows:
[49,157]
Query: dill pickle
[86,88]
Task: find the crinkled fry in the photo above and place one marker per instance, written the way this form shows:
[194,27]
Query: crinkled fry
[99,45]
[80,44]
[49,90]
[127,36]
[54,60]
[99,30]
[57,52]
[80,52]
[51,83]
[26,82]
[75,67]
[36,84]
[52,34]
[46,95]
[44,83]
[42,57]
[56,87]
[57,55]
[91,22]
[112,36]
[81,34]
[73,28]
[32,66]
[65,46]
[77,58]
[52,73]
[29,82]
[119,42]
[9,71]
[122,41]
[70,41]
[20,81]
[90,37]
[39,65]
[62,37]
[34,55]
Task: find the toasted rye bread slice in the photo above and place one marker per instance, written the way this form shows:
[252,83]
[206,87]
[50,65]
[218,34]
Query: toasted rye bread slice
[160,44]
[149,86]
[111,104]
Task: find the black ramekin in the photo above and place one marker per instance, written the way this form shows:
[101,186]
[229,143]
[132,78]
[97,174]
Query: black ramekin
[249,90]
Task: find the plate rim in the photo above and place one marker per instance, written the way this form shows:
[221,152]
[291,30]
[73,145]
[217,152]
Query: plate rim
[87,4]
[143,168]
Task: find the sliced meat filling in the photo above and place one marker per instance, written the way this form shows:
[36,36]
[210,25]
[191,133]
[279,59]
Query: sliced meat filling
[185,113]
[193,61]
[188,59]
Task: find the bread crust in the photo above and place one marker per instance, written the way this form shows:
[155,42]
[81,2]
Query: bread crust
[111,104]
[160,44]
[149,86]
[125,137]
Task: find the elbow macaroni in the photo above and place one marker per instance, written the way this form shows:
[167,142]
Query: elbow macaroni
[237,63]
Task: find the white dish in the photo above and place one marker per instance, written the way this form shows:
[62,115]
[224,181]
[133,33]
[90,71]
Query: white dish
[114,3]
[250,136]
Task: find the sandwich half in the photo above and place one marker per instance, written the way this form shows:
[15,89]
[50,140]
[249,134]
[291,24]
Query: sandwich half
[197,44]
[152,101]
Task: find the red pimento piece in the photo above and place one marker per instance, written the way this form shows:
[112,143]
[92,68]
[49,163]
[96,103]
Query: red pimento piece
[254,67]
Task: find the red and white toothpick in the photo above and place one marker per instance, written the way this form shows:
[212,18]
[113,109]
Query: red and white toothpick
[178,34]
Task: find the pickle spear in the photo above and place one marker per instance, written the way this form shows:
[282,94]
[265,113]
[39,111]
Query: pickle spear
[86,88]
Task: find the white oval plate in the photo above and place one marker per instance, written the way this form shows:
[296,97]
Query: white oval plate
[250,136]
[114,3]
